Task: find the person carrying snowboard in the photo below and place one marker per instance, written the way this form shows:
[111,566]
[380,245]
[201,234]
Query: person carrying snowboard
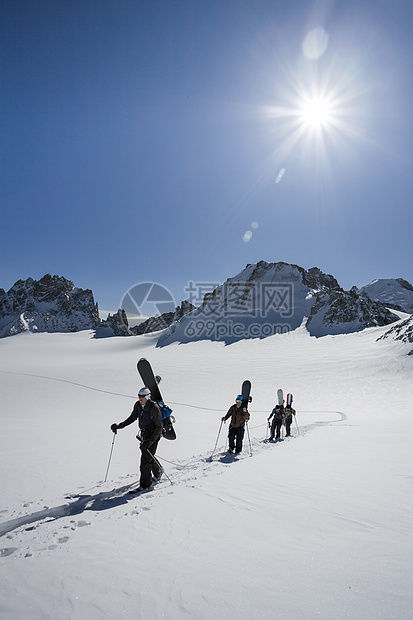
[239,415]
[149,417]
[278,415]
[289,412]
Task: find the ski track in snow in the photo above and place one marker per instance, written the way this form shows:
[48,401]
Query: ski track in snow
[186,473]
[25,536]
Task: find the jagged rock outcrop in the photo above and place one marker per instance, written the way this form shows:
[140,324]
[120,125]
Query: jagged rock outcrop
[271,298]
[403,332]
[51,304]
[114,325]
[345,312]
[163,321]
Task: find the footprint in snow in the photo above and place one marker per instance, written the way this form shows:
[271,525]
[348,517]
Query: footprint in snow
[7,551]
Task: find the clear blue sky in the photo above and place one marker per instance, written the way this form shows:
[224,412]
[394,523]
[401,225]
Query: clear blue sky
[141,140]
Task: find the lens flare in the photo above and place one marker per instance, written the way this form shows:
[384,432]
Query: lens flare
[315,44]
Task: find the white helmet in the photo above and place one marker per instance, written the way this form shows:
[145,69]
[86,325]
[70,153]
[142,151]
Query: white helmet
[144,392]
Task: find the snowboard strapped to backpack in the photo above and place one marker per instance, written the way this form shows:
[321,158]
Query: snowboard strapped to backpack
[151,382]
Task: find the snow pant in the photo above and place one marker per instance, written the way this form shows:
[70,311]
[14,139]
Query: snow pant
[235,437]
[275,428]
[288,422]
[148,464]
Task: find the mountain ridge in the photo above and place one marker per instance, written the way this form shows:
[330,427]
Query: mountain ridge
[269,298]
[261,300]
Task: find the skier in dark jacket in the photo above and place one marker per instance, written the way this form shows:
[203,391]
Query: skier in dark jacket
[239,415]
[149,417]
[279,416]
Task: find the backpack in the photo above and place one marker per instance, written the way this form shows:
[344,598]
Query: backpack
[168,419]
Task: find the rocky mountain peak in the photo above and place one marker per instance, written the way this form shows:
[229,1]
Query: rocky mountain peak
[265,299]
[50,304]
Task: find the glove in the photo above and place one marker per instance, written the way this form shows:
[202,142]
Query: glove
[114,428]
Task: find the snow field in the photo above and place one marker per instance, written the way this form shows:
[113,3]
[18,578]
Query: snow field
[316,526]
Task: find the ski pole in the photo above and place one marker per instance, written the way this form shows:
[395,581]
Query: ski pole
[249,439]
[216,443]
[295,418]
[158,463]
[110,457]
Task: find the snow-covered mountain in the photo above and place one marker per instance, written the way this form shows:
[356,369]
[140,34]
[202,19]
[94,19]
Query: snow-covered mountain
[51,304]
[262,300]
[273,298]
[393,292]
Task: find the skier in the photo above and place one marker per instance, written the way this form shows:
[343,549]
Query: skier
[289,412]
[239,415]
[149,417]
[279,415]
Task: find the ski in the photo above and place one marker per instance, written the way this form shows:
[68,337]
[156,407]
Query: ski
[138,490]
[289,400]
[152,383]
[228,457]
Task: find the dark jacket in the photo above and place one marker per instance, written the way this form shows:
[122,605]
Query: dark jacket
[149,419]
[238,416]
[279,414]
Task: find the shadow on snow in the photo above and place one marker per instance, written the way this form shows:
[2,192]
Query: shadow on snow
[101,501]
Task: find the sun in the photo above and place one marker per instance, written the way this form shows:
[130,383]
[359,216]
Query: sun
[316,112]
[319,110]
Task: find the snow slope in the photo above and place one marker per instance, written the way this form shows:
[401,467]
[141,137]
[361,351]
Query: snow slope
[317,526]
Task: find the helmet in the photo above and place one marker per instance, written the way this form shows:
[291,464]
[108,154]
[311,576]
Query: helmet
[239,397]
[144,392]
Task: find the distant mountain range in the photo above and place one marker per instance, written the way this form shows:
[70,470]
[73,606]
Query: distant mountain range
[269,298]
[262,300]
